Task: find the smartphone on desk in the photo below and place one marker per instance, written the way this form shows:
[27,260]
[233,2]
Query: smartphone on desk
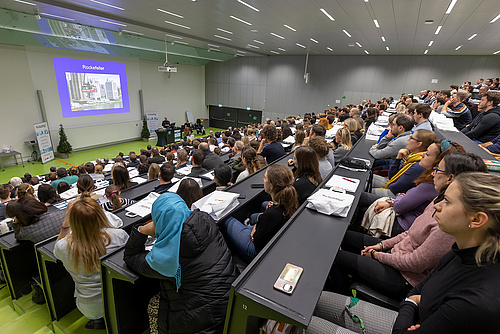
[287,281]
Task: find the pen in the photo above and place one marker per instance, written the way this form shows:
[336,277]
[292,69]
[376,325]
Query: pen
[349,180]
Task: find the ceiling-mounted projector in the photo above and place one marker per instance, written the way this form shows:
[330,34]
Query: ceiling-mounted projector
[167,68]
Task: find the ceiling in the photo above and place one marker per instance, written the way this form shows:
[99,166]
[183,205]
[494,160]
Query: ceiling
[213,25]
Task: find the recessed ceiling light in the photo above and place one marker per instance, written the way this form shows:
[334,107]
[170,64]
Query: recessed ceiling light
[383,38]
[315,41]
[222,37]
[238,19]
[276,35]
[167,12]
[256,41]
[281,49]
[213,45]
[450,7]
[329,48]
[132,32]
[118,24]
[177,24]
[240,51]
[26,2]
[106,4]
[458,47]
[367,0]
[472,37]
[387,48]
[249,6]
[173,36]
[302,46]
[359,45]
[274,52]
[367,52]
[425,52]
[376,23]
[351,45]
[326,13]
[181,42]
[226,31]
[252,46]
[438,30]
[496,52]
[57,16]
[492,21]
[287,26]
[430,43]
[254,30]
[348,34]
[429,22]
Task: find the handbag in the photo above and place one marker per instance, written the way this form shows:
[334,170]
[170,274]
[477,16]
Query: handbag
[356,163]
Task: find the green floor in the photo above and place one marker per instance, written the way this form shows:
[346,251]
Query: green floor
[75,159]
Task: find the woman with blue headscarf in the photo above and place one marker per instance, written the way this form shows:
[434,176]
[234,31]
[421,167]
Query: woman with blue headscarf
[193,262]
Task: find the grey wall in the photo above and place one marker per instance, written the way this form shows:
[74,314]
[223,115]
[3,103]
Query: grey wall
[276,85]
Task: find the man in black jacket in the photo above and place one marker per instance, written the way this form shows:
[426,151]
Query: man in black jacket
[212,160]
[155,156]
[486,125]
[197,162]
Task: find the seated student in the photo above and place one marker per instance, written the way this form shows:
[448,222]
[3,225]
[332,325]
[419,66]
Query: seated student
[153,171]
[456,109]
[115,201]
[249,160]
[133,162]
[486,125]
[90,169]
[421,117]
[249,240]
[25,190]
[48,195]
[197,162]
[189,190]
[121,178]
[222,177]
[62,187]
[5,198]
[396,138]
[405,168]
[62,176]
[300,135]
[306,174]
[181,159]
[371,117]
[319,131]
[463,288]
[210,160]
[170,157]
[344,144]
[32,221]
[269,148]
[99,170]
[91,237]
[86,186]
[395,265]
[155,156]
[143,167]
[353,126]
[191,259]
[320,146]
[167,171]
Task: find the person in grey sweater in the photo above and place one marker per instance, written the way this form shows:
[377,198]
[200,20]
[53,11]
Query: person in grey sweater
[396,139]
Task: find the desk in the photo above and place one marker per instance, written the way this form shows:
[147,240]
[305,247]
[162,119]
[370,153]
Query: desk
[303,238]
[468,144]
[12,153]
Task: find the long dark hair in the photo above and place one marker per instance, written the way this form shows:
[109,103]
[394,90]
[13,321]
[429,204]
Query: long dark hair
[27,210]
[112,193]
[426,176]
[283,193]
[307,164]
[190,191]
[120,176]
[85,185]
[250,156]
[47,194]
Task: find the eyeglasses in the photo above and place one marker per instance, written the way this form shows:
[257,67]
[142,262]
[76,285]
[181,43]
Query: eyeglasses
[411,137]
[435,170]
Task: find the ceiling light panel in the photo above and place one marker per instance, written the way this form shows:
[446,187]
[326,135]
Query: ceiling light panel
[248,5]
[281,49]
[274,52]
[173,36]
[376,23]
[110,22]
[348,34]
[438,30]
[450,7]
[213,45]
[57,16]
[387,48]
[474,35]
[326,13]
[222,37]
[383,38]
[287,26]
[276,35]
[106,4]
[132,32]
[224,30]
[329,48]
[425,52]
[458,47]
[170,13]
[495,19]
[302,46]
[359,45]
[259,42]
[26,2]
[313,40]
[367,52]
[253,46]
[240,20]
[177,24]
[430,43]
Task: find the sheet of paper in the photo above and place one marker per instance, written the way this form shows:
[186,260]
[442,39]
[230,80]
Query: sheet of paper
[347,183]
[139,179]
[184,170]
[174,188]
[143,207]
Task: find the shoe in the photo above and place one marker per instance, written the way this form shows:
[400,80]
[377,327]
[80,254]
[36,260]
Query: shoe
[96,324]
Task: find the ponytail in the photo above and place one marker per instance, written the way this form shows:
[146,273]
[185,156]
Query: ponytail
[85,185]
[283,192]
[112,194]
[287,197]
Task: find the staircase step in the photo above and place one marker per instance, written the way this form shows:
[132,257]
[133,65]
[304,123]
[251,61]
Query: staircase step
[44,330]
[7,314]
[30,322]
[74,323]
[24,304]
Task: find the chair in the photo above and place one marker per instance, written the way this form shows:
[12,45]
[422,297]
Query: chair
[366,293]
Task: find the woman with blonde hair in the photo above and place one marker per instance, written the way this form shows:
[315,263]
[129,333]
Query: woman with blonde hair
[249,159]
[300,136]
[353,126]
[25,190]
[343,140]
[85,236]
[153,171]
[99,169]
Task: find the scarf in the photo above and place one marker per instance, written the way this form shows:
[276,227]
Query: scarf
[169,212]
[412,159]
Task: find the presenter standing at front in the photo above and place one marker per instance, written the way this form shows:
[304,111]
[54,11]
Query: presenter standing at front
[165,123]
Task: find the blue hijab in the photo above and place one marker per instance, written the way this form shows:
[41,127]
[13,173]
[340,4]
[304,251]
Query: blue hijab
[169,212]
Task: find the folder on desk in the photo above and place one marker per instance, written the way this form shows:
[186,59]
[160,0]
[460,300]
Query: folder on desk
[347,183]
[143,207]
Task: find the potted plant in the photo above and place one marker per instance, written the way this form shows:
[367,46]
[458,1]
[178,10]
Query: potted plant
[145,130]
[64,148]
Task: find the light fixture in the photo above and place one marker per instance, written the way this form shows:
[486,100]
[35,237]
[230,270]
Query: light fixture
[281,49]
[213,45]
[367,52]
[222,37]
[329,48]
[26,2]
[249,6]
[248,108]
[226,31]
[326,13]
[167,12]
[173,36]
[186,43]
[376,23]
[177,24]
[450,7]
[438,30]
[425,52]
[348,34]
[106,4]
[259,42]
[274,52]
[367,0]
[472,37]
[458,47]
[287,26]
[276,35]
[220,105]
[359,45]
[132,32]
[496,52]
[240,51]
[387,48]
[315,41]
[383,38]
[492,21]
[428,21]
[238,19]
[118,24]
[252,46]
[57,16]
[430,43]
[302,46]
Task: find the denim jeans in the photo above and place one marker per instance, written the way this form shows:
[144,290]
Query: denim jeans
[239,235]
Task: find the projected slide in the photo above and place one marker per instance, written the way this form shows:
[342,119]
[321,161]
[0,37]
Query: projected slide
[91,87]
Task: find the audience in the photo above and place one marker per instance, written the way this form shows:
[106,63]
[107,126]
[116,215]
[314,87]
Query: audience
[211,159]
[249,160]
[189,190]
[167,171]
[320,146]
[115,201]
[269,148]
[306,174]
[197,162]
[62,176]
[222,177]
[486,125]
[153,171]
[344,144]
[457,110]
